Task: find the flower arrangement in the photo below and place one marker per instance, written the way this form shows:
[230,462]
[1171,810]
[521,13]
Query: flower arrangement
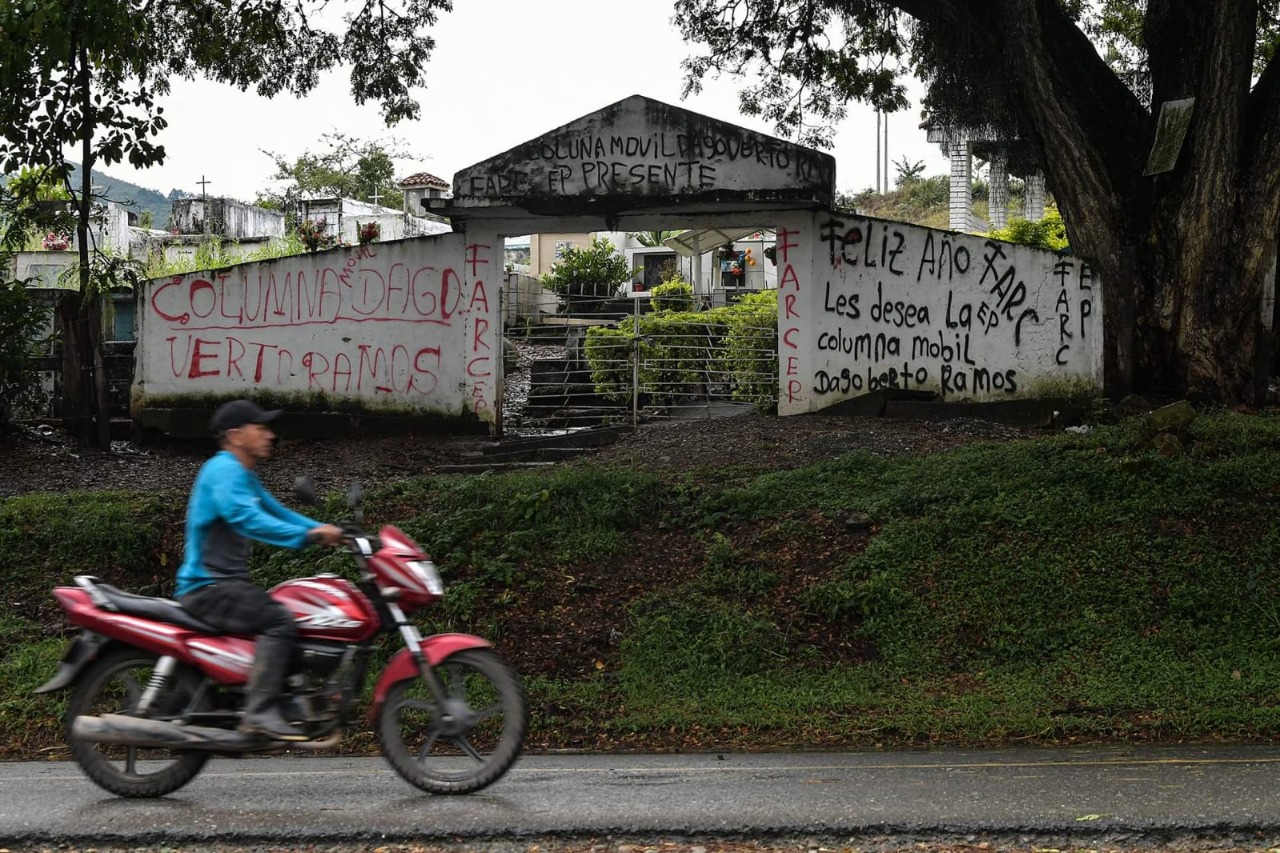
[55,242]
[369,233]
[313,236]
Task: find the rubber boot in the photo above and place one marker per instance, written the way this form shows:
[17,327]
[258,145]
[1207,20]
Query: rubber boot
[261,713]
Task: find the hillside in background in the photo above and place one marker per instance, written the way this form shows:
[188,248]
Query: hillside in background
[135,198]
[924,201]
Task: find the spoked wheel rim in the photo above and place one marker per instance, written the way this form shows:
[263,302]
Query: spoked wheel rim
[467,741]
[116,686]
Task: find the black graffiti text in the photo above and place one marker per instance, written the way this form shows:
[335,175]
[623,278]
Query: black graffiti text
[843,242]
[945,260]
[904,315]
[863,347]
[844,305]
[977,380]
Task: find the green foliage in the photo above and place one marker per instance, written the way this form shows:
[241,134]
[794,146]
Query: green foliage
[682,639]
[585,277]
[21,322]
[681,351]
[676,351]
[45,538]
[21,319]
[347,168]
[88,76]
[1066,587]
[215,253]
[1048,233]
[750,353]
[907,172]
[153,207]
[653,238]
[770,37]
[674,295]
[923,201]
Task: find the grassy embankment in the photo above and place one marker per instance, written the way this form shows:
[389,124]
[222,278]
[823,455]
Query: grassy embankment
[1058,589]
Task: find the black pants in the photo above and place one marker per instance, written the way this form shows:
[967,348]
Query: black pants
[239,607]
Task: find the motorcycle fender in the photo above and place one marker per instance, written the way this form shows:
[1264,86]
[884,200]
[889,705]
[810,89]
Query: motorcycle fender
[82,650]
[402,666]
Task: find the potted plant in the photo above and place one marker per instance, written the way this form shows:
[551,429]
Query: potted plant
[727,252]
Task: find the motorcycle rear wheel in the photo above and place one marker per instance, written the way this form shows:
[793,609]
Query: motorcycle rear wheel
[469,744]
[113,685]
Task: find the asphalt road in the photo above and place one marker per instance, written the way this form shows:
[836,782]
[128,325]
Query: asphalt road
[1153,794]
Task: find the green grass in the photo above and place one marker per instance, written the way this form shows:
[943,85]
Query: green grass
[1052,590]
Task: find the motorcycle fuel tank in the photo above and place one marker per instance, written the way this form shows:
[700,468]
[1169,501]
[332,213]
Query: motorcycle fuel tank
[328,607]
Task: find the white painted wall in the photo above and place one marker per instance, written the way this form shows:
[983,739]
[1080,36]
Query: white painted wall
[866,304]
[407,325]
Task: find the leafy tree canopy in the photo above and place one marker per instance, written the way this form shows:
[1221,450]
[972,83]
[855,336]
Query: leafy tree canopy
[814,56]
[346,168]
[89,73]
[1075,88]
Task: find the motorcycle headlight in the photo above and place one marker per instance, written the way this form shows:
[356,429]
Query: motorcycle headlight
[430,577]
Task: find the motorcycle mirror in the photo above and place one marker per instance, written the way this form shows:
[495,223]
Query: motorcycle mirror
[305,491]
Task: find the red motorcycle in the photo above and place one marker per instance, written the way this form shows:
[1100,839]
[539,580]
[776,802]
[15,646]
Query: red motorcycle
[156,692]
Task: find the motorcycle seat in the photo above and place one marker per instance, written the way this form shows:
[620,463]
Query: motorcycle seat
[159,609]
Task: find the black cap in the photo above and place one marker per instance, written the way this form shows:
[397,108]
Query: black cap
[237,413]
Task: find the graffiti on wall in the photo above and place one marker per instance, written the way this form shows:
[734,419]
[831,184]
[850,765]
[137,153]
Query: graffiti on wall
[393,324]
[642,147]
[646,164]
[903,307]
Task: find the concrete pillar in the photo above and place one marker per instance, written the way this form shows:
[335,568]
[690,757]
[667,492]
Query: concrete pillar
[1035,197]
[961,185]
[998,191]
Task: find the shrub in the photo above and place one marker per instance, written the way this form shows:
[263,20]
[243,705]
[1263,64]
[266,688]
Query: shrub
[750,352]
[608,353]
[673,295]
[1048,233]
[21,321]
[585,277]
[680,352]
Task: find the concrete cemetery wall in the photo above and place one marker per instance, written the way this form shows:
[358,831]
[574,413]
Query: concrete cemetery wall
[867,305]
[404,327]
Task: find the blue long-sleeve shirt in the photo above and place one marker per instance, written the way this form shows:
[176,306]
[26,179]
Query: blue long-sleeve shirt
[227,510]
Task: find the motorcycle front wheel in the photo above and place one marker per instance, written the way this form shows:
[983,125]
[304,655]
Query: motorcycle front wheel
[113,685]
[468,742]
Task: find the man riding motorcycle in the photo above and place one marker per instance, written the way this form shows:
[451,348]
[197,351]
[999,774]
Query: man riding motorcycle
[227,509]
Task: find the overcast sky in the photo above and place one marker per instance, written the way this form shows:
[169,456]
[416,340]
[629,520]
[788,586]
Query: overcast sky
[503,71]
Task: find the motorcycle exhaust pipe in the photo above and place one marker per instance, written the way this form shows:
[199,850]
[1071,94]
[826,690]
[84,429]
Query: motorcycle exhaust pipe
[120,730]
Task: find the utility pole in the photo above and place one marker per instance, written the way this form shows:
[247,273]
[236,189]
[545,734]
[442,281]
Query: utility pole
[877,151]
[886,152]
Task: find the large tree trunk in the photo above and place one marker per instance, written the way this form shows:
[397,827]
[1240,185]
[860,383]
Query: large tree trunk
[77,363]
[1186,257]
[84,376]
